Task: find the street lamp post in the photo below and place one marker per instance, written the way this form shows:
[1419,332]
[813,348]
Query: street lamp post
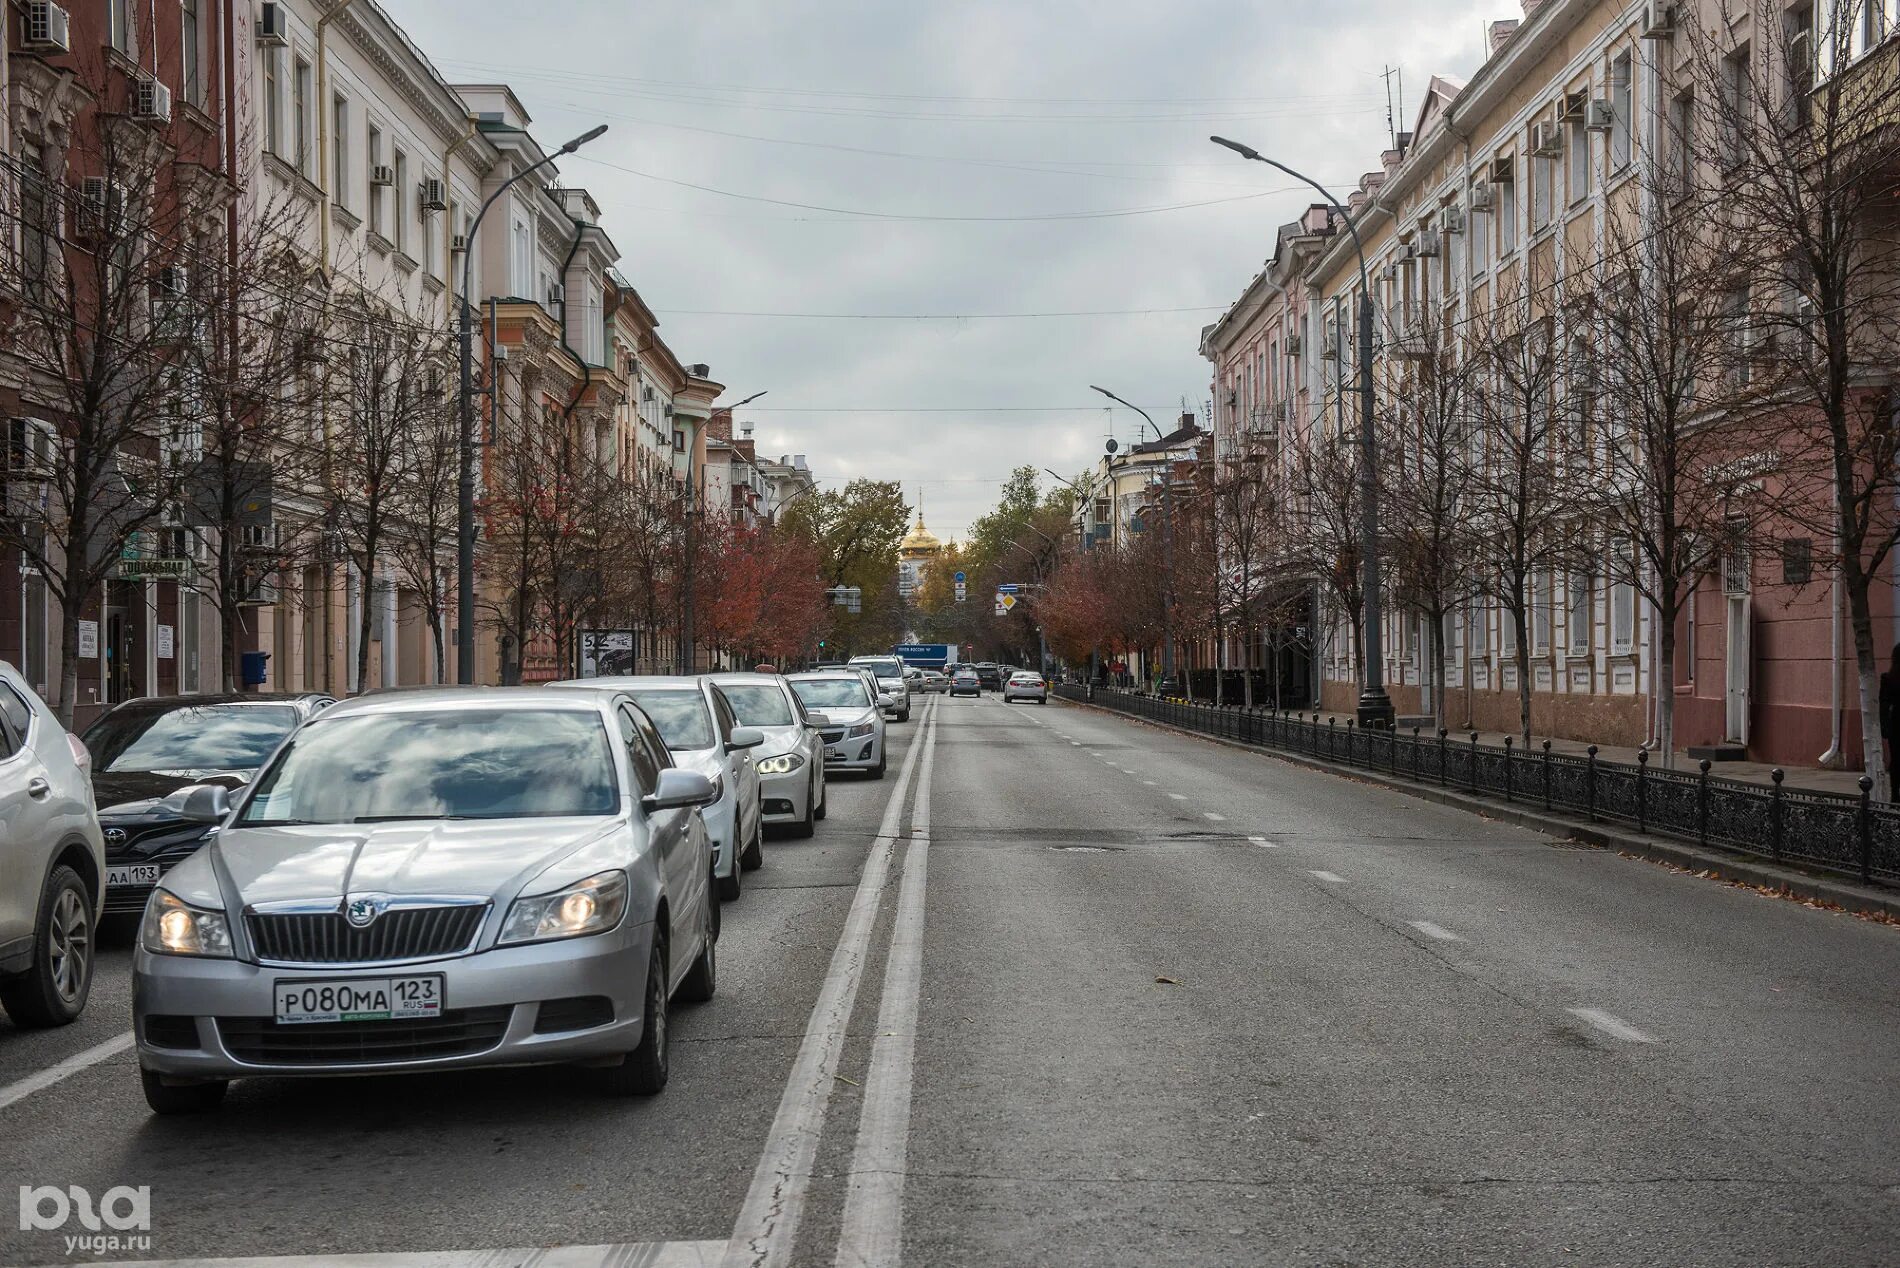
[1375,707]
[465,492]
[1167,541]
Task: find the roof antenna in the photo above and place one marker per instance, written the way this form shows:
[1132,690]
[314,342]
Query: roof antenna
[1391,122]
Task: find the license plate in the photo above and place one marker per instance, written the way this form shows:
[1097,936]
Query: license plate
[359,999]
[834,755]
[133,874]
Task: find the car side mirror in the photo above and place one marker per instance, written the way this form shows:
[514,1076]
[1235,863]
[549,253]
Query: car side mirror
[206,803]
[679,789]
[744,737]
[817,721]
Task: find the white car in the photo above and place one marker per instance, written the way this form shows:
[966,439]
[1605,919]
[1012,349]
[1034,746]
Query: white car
[52,862]
[888,672]
[1026,684]
[854,724]
[703,735]
[431,881]
[791,762]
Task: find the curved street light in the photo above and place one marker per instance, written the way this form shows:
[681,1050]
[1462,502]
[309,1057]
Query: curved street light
[1119,401]
[1375,707]
[465,490]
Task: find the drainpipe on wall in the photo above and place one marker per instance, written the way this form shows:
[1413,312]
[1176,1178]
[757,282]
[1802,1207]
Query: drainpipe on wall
[1835,757]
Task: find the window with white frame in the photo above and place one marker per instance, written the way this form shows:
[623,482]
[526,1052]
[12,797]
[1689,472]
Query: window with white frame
[521,259]
[1505,196]
[1622,599]
[300,106]
[340,151]
[1543,184]
[273,103]
[191,45]
[1577,615]
[399,200]
[119,25]
[374,157]
[1577,162]
[1622,110]
[1507,631]
[1540,611]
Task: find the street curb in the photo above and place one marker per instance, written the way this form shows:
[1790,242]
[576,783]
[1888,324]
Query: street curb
[1718,863]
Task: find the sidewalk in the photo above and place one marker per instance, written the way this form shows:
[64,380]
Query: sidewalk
[1845,783]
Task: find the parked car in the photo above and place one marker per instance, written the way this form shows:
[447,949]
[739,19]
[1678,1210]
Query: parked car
[147,753]
[935,683]
[854,724]
[991,676]
[1025,684]
[966,683]
[433,881]
[52,862]
[701,732]
[889,672]
[791,762]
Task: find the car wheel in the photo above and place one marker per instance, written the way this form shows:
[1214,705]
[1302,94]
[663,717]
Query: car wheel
[729,885]
[809,824]
[53,991]
[703,978]
[824,798]
[877,772]
[643,1071]
[182,1098]
[753,856]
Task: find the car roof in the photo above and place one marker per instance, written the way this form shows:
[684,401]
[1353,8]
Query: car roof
[444,699]
[837,675]
[636,682]
[221,697]
[740,679]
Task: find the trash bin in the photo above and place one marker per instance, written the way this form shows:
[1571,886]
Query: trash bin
[253,669]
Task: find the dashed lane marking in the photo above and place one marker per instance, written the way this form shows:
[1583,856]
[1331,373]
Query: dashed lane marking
[1331,878]
[1436,932]
[1610,1024]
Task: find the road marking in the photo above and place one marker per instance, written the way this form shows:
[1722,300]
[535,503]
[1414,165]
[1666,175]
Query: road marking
[1178,796]
[872,1228]
[1610,1024]
[1438,932]
[619,1255]
[20,1090]
[1209,814]
[1331,878]
[1264,843]
[767,1226]
[1148,783]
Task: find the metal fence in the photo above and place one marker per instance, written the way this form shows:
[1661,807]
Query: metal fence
[1843,834]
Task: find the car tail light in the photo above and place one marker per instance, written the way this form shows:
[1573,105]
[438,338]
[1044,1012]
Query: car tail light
[80,755]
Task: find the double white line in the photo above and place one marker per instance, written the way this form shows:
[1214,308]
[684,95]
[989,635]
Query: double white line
[872,1230]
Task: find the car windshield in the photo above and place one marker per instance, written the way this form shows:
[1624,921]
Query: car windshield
[758,703]
[681,714]
[198,737]
[832,693]
[882,668]
[440,764]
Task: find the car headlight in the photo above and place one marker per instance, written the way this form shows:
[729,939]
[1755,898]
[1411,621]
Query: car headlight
[594,905]
[174,927]
[780,765]
[863,729]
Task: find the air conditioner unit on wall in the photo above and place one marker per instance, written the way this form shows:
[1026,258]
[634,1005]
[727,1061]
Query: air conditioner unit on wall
[1547,140]
[151,101]
[1659,20]
[48,28]
[1502,170]
[1482,199]
[272,29]
[382,174]
[1293,343]
[434,195]
[458,243]
[1453,219]
[557,294]
[1427,246]
[1598,116]
[1573,106]
[1390,273]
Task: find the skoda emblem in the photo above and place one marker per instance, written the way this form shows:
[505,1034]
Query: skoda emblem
[362,912]
[115,836]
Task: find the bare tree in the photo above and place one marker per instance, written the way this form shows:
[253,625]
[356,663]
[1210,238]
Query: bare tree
[429,468]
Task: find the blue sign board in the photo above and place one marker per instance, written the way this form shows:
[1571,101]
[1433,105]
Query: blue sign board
[959,578]
[925,654]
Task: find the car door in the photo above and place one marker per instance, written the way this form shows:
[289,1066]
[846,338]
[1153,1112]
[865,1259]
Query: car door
[28,808]
[683,869]
[742,771]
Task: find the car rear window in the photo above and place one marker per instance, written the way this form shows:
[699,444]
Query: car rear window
[681,715]
[758,703]
[213,737]
[832,693]
[440,764]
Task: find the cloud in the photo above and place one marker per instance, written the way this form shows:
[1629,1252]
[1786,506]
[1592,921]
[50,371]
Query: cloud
[1108,104]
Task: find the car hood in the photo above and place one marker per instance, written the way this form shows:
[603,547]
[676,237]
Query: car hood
[779,739]
[142,794]
[842,719]
[448,857]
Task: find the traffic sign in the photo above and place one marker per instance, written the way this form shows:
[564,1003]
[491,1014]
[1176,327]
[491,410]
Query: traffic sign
[1007,589]
[1005,602]
[958,578]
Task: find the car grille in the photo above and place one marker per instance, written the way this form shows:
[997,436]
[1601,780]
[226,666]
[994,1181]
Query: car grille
[832,737]
[458,1032]
[130,899]
[411,933]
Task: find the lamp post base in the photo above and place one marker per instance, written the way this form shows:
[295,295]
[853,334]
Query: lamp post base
[1375,710]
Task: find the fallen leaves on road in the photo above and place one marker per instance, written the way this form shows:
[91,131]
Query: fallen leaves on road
[845,1078]
[1766,891]
[1167,981]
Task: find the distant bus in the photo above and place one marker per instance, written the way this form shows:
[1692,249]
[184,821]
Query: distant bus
[925,655]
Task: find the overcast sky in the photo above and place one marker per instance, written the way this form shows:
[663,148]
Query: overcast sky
[1002,128]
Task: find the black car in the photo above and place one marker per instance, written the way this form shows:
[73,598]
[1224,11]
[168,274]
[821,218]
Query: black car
[146,752]
[990,676]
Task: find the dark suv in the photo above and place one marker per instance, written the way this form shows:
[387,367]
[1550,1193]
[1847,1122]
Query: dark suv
[146,752]
[990,676]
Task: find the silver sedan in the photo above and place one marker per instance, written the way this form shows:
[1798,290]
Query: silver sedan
[433,881]
[854,719]
[791,762]
[1025,685]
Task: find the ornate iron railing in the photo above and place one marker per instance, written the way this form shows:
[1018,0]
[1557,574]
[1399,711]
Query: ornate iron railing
[1852,835]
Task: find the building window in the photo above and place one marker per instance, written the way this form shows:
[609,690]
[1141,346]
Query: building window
[1540,612]
[521,261]
[273,106]
[398,193]
[1622,600]
[1682,143]
[193,53]
[119,25]
[1622,110]
[37,225]
[1738,104]
[300,115]
[340,151]
[1577,618]
[1543,182]
[1577,157]
[1506,197]
[374,157]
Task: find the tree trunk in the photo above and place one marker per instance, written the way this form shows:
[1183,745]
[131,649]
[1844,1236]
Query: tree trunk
[1523,658]
[68,695]
[1664,685]
[1867,668]
[1435,675]
[365,623]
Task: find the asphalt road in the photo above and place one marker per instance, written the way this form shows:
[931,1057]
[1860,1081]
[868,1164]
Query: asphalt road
[1092,993]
